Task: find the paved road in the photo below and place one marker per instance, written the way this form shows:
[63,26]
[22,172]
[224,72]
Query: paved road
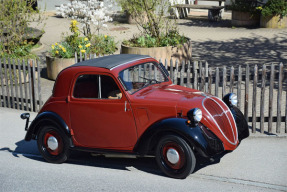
[49,5]
[216,42]
[259,164]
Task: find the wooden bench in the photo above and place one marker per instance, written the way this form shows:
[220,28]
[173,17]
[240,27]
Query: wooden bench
[214,12]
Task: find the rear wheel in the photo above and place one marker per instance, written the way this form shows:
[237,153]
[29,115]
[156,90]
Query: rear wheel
[53,144]
[175,157]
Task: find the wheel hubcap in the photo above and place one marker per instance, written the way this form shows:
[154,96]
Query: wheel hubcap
[52,143]
[172,156]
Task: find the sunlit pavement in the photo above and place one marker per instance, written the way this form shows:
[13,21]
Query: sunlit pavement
[258,164]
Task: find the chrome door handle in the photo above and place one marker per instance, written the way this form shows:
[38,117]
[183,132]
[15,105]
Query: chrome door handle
[125,106]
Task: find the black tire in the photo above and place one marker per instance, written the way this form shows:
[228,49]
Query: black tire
[59,155]
[241,123]
[186,162]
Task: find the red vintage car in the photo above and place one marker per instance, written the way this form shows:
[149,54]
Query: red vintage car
[128,104]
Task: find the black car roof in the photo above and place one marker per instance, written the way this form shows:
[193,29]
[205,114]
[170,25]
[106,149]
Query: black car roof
[111,61]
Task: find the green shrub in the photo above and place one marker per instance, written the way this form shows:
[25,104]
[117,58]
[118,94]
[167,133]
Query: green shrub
[15,16]
[103,45]
[274,8]
[71,44]
[171,39]
[244,6]
[157,30]
[62,50]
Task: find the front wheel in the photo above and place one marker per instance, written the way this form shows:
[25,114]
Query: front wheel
[53,144]
[175,157]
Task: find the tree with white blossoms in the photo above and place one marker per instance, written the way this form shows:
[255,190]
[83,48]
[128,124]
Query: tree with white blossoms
[89,13]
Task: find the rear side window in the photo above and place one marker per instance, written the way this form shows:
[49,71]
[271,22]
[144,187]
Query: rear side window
[87,86]
[96,87]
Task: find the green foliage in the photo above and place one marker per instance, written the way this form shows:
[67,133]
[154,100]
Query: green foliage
[21,51]
[14,21]
[274,8]
[71,44]
[103,45]
[171,39]
[96,44]
[83,45]
[244,6]
[152,21]
[72,40]
[62,50]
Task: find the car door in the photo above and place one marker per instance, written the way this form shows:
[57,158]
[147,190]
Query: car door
[101,115]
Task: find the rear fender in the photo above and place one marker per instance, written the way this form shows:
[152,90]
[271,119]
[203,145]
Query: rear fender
[45,118]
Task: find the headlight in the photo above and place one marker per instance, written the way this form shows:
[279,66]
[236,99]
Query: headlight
[194,115]
[233,99]
[230,99]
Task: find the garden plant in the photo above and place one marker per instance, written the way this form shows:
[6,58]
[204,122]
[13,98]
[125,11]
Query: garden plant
[16,37]
[157,30]
[91,14]
[274,8]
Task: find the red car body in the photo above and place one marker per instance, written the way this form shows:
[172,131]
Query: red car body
[136,121]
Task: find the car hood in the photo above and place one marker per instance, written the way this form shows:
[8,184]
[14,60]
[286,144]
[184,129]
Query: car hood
[168,93]
[216,115]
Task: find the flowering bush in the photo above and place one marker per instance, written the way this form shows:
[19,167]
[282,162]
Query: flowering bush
[91,12]
[62,50]
[71,44]
[73,39]
[84,45]
[103,44]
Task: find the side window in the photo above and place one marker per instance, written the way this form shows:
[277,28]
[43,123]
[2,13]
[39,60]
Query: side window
[87,86]
[109,88]
[96,87]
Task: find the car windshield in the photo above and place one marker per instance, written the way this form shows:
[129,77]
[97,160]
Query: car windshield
[140,76]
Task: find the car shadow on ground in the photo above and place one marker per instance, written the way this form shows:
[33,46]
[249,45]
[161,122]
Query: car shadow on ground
[145,164]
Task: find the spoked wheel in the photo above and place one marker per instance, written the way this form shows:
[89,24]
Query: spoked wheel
[175,157]
[53,144]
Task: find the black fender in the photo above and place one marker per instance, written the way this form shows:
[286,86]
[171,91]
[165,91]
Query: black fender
[194,135]
[241,123]
[46,118]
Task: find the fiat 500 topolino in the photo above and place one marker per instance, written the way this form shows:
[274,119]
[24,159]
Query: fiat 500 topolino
[127,104]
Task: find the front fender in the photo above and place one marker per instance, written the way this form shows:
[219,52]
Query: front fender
[44,118]
[198,137]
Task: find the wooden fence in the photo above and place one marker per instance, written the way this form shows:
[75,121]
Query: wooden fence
[261,90]
[20,84]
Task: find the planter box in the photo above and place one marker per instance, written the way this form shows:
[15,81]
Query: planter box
[275,22]
[56,65]
[180,52]
[244,19]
